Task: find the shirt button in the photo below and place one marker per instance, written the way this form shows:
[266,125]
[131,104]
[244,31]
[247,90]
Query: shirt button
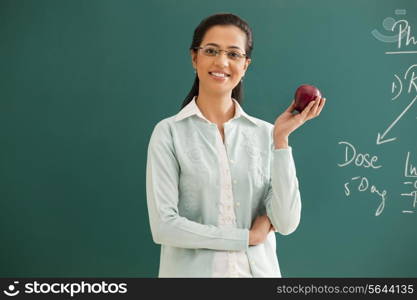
[237,203]
[232,161]
[234,181]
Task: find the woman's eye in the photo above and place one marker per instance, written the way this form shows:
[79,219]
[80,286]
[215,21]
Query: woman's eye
[234,54]
[211,51]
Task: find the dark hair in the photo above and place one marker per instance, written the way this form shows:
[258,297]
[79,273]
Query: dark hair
[200,31]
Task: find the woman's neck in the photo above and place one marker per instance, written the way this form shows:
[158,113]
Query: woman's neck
[216,108]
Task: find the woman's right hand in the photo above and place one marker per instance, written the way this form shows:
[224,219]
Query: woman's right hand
[259,230]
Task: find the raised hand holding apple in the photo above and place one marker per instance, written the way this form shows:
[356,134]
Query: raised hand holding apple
[287,122]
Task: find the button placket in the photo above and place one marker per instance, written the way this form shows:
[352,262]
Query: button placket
[232,264]
[226,207]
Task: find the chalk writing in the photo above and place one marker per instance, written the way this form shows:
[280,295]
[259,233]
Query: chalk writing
[362,160]
[363,186]
[402,84]
[410,171]
[403,28]
[410,79]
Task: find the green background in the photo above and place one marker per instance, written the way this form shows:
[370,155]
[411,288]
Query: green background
[83,83]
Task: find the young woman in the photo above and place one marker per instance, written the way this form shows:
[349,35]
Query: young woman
[220,182]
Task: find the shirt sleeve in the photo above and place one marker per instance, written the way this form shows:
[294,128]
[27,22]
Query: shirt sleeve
[282,200]
[167,226]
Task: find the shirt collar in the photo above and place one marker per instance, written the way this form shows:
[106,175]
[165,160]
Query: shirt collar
[192,109]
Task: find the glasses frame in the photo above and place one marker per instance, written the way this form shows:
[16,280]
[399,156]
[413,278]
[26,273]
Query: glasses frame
[220,51]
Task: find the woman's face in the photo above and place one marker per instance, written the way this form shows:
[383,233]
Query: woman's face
[226,37]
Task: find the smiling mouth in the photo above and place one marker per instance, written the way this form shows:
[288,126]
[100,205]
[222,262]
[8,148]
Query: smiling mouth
[219,75]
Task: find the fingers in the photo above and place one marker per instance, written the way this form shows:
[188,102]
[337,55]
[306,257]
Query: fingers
[316,105]
[314,108]
[306,111]
[260,229]
[291,108]
[262,222]
[323,101]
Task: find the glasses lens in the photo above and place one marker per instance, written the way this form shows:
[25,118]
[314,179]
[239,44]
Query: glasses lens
[235,55]
[210,51]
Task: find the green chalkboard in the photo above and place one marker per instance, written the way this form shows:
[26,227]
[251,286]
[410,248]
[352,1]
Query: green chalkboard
[83,84]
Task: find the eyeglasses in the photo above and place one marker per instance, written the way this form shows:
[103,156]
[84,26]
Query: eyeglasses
[235,55]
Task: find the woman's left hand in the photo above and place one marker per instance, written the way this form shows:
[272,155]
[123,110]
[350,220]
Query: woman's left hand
[287,122]
[260,228]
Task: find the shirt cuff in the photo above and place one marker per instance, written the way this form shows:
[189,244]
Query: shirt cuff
[288,149]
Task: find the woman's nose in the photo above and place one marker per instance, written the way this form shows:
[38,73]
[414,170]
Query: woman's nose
[221,59]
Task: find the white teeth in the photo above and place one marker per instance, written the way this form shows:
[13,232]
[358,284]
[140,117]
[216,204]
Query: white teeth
[218,74]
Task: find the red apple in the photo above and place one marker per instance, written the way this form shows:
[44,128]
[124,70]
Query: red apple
[304,94]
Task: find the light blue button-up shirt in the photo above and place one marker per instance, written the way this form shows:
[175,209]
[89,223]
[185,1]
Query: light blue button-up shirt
[183,191]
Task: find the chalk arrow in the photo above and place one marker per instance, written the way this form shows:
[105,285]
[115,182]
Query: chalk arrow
[380,138]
